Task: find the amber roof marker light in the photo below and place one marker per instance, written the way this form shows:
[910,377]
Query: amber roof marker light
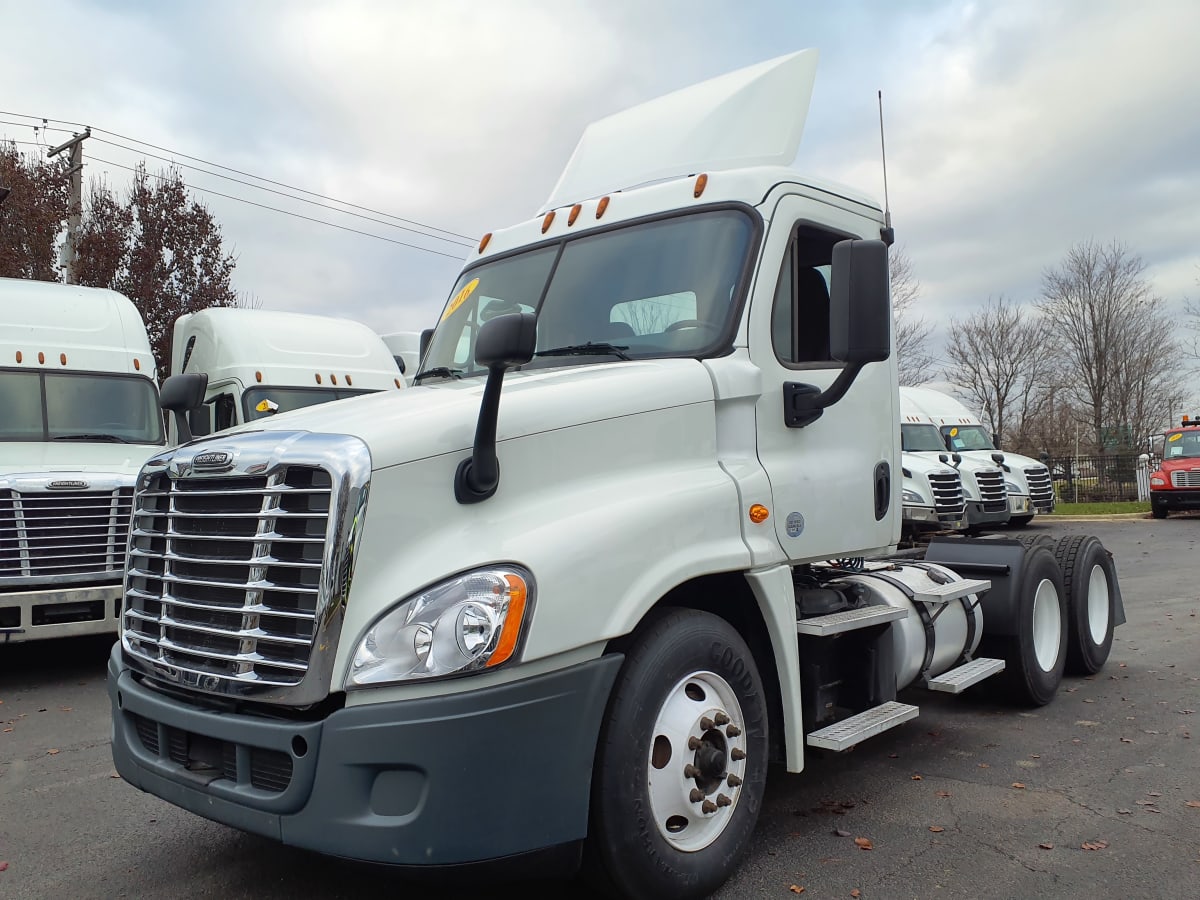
[701,184]
[548,221]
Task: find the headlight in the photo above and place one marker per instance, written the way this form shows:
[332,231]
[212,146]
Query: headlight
[1161,482]
[468,623]
[1013,488]
[912,496]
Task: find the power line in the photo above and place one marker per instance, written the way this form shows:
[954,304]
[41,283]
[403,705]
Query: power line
[259,187]
[286,212]
[206,162]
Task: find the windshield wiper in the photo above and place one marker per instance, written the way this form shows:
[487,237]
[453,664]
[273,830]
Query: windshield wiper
[110,438]
[588,349]
[438,372]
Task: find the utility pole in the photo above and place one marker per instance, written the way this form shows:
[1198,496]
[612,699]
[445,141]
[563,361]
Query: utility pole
[75,211]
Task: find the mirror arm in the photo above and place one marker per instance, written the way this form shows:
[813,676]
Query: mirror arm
[478,476]
[804,403]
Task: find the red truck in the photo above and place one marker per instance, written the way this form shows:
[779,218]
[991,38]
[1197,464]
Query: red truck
[1175,484]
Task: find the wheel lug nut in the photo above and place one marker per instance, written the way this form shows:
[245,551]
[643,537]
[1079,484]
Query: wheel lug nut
[733,781]
[721,719]
[706,723]
[722,800]
[737,754]
[732,731]
[694,743]
[708,807]
[696,795]
[690,771]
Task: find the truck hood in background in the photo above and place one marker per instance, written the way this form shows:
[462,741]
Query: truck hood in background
[99,457]
[434,419]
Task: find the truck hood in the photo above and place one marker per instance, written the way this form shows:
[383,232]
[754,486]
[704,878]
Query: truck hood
[925,465]
[431,420]
[35,458]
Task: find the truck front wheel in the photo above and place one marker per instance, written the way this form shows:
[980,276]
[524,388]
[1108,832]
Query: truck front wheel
[682,761]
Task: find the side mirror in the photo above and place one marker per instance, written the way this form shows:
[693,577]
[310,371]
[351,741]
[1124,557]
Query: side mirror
[860,327]
[502,342]
[179,395]
[426,338]
[399,363]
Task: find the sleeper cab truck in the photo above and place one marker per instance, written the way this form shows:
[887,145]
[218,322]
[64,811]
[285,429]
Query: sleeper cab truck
[78,418]
[645,562]
[405,347]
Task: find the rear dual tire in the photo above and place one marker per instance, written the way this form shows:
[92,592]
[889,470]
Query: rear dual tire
[1090,585]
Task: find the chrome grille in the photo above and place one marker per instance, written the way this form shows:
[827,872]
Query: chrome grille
[241,554]
[63,536]
[991,490]
[1041,491]
[1185,478]
[948,497]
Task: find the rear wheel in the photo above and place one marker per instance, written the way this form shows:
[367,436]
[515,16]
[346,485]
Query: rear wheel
[1035,657]
[1089,582]
[682,761]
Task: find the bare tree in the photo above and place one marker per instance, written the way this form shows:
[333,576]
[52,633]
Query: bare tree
[1106,318]
[33,215]
[912,333]
[1004,362]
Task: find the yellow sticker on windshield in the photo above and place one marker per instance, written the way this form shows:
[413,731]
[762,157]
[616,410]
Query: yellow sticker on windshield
[1176,436]
[953,432]
[266,406]
[460,298]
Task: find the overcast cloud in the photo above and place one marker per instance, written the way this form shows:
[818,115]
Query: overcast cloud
[1015,129]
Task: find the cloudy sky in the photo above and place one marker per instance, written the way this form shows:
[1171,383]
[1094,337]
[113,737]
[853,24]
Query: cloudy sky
[1015,129]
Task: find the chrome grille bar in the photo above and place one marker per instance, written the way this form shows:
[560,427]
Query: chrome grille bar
[48,536]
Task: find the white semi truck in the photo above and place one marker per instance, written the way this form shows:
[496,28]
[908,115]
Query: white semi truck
[611,557]
[405,347]
[78,418]
[263,362]
[1027,481]
[932,495]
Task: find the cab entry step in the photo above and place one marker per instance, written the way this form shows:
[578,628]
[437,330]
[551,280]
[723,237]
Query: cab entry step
[850,619]
[857,729]
[958,680]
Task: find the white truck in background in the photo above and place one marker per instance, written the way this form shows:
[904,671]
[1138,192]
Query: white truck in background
[985,495]
[1027,481]
[405,347]
[78,418]
[263,362]
[610,558]
[932,495]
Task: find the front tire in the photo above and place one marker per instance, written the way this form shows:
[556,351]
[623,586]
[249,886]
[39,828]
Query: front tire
[1159,512]
[1090,585]
[682,761]
[1020,521]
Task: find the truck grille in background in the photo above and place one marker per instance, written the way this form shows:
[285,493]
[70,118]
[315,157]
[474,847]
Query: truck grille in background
[1186,479]
[224,574]
[991,490]
[948,499]
[1041,491]
[56,535]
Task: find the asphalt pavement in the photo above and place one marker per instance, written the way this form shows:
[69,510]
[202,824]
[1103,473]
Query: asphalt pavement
[1096,795]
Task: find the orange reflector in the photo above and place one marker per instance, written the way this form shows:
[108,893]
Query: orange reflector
[601,207]
[397,381]
[349,383]
[62,359]
[759,513]
[546,221]
[18,356]
[318,377]
[41,356]
[701,184]
[574,214]
[517,595]
[333,379]
[258,377]
[137,364]
[483,241]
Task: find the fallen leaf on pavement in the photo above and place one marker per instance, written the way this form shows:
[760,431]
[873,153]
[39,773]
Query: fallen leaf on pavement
[1018,785]
[1124,812]
[984,766]
[863,843]
[936,829]
[856,893]
[1094,845]
[796,889]
[3,866]
[916,778]
[1126,740]
[1153,793]
[1046,846]
[1194,804]
[51,752]
[943,793]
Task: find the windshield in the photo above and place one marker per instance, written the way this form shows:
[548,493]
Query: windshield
[967,437]
[260,402]
[78,406]
[1181,445]
[921,439]
[664,288]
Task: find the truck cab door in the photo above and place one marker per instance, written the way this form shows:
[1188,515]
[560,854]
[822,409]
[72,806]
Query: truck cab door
[835,481]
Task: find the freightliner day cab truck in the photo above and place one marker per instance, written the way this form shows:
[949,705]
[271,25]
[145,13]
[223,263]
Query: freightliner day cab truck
[1027,481]
[613,554]
[1175,484]
[262,362]
[78,418]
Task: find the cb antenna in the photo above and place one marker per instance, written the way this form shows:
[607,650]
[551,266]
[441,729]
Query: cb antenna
[887,233]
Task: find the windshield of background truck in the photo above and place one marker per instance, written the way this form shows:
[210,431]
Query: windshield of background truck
[1181,445]
[260,402]
[921,439]
[967,437]
[663,288]
[78,406]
